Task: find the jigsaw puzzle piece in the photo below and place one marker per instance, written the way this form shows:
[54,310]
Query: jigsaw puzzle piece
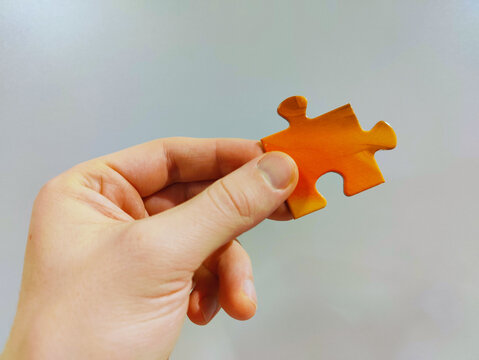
[332,142]
[293,108]
[381,137]
[360,173]
[305,199]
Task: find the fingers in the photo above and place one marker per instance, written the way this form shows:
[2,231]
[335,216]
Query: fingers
[177,194]
[151,166]
[234,287]
[203,304]
[237,294]
[282,213]
[173,195]
[224,210]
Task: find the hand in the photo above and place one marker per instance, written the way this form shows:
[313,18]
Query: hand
[122,247]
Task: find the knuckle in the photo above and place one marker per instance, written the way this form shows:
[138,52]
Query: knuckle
[232,203]
[59,187]
[50,197]
[51,187]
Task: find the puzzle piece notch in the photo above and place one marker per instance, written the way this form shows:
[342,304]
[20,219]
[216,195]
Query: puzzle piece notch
[332,142]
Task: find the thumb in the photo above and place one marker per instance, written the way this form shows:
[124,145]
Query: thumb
[227,208]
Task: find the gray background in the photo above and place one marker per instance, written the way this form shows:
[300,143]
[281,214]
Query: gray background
[391,273]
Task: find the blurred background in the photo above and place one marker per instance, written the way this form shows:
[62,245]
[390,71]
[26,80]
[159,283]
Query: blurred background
[392,273]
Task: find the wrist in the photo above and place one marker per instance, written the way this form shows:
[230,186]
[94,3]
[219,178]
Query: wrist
[42,335]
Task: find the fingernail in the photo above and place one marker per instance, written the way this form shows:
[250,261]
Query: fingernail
[277,169]
[208,306]
[249,290]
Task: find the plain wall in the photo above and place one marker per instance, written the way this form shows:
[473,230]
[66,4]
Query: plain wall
[391,273]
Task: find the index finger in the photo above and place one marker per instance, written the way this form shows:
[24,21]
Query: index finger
[151,166]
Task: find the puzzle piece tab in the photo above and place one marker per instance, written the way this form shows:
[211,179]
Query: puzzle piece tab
[332,142]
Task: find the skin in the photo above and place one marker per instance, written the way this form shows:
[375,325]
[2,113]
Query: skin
[122,248]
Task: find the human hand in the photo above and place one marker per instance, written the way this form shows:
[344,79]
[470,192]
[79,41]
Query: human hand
[122,247]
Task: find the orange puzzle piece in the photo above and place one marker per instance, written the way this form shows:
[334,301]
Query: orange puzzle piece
[332,142]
